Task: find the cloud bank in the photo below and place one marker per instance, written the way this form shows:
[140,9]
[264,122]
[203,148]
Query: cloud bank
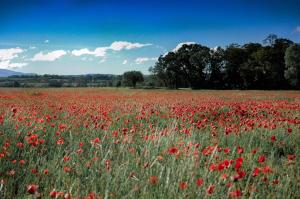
[115,46]
[6,64]
[141,60]
[51,56]
[6,55]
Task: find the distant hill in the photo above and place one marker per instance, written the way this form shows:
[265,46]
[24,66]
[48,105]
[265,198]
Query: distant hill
[7,73]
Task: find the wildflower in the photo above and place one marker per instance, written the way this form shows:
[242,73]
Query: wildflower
[22,162]
[52,194]
[275,182]
[240,150]
[46,171]
[153,180]
[32,188]
[273,138]
[199,182]
[256,171]
[224,176]
[210,189]
[261,159]
[67,169]
[95,141]
[160,158]
[60,141]
[238,163]
[183,185]
[235,194]
[291,157]
[173,150]
[267,169]
[226,151]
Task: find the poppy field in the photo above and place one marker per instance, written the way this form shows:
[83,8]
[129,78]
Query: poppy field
[130,143]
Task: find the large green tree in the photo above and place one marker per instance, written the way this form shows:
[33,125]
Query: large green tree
[292,61]
[251,66]
[131,78]
[216,68]
[257,70]
[278,62]
[192,60]
[235,56]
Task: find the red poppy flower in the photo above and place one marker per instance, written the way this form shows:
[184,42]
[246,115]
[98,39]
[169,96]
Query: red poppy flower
[153,180]
[52,194]
[267,169]
[240,150]
[95,141]
[275,182]
[210,189]
[291,157]
[199,182]
[226,151]
[238,163]
[255,172]
[183,185]
[273,138]
[235,194]
[261,159]
[173,150]
[32,188]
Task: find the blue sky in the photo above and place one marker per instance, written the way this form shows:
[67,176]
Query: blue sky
[110,36]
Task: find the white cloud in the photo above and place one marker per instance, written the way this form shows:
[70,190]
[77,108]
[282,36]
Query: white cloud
[32,47]
[83,51]
[120,45]
[181,44]
[140,60]
[46,41]
[298,29]
[115,46]
[125,61]
[10,53]
[51,56]
[6,64]
[17,65]
[100,52]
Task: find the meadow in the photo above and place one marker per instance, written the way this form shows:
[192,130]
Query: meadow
[130,143]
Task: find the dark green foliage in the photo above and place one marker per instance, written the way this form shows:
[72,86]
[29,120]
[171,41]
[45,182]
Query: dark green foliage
[251,66]
[292,61]
[235,56]
[216,68]
[55,83]
[130,78]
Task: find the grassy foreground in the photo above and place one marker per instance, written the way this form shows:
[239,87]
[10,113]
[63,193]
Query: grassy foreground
[107,143]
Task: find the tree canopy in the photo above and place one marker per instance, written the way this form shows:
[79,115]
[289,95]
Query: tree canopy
[292,61]
[131,78]
[271,65]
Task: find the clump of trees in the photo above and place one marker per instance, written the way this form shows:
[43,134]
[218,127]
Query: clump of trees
[292,61]
[271,65]
[131,78]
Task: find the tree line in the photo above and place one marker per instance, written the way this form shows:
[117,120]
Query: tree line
[274,64]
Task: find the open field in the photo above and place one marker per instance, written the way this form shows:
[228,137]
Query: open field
[122,143]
